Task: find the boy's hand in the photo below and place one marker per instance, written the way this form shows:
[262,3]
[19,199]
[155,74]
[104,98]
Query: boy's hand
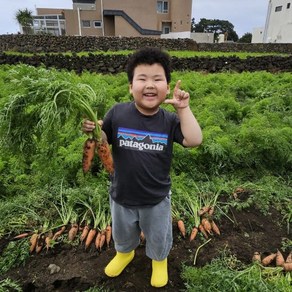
[180,97]
[88,126]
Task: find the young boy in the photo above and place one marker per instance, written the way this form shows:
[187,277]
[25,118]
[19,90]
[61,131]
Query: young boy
[142,134]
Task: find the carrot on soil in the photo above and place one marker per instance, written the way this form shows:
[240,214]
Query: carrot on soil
[287,267]
[40,243]
[256,257]
[90,237]
[22,235]
[102,239]
[33,242]
[279,259]
[211,210]
[142,237]
[215,228]
[203,210]
[108,235]
[181,227]
[207,225]
[97,240]
[59,232]
[268,259]
[194,233]
[73,232]
[289,258]
[84,233]
[203,231]
[48,240]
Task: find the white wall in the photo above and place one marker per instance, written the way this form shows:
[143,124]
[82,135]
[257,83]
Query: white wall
[197,37]
[257,35]
[278,28]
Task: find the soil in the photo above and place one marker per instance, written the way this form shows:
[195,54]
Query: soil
[81,270]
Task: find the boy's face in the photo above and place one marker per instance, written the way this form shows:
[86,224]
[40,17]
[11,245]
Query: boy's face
[149,87]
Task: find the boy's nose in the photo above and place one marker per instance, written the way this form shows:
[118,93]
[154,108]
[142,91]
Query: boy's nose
[149,86]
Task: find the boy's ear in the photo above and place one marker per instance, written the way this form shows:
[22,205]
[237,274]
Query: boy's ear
[130,88]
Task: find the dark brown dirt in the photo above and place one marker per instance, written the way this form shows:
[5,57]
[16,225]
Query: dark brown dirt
[80,270]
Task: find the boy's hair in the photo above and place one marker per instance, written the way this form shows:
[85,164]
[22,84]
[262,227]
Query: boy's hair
[149,56]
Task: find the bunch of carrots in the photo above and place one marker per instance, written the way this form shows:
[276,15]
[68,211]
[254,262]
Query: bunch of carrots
[201,216]
[278,257]
[88,235]
[95,144]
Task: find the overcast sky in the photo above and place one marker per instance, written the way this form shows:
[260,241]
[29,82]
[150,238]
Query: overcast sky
[243,14]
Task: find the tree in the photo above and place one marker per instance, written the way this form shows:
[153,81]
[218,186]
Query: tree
[246,38]
[25,19]
[215,26]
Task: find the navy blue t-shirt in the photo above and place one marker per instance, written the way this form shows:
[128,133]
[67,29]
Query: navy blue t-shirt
[142,152]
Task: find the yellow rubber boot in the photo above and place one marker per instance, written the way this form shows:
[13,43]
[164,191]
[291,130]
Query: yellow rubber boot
[159,276]
[118,263]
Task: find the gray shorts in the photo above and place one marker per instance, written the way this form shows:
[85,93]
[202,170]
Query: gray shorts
[155,222]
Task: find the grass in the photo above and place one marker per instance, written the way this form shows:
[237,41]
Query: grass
[226,273]
[242,116]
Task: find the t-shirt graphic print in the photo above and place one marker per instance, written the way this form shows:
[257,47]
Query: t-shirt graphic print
[141,140]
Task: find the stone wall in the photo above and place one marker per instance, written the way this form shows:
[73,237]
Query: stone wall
[48,43]
[111,64]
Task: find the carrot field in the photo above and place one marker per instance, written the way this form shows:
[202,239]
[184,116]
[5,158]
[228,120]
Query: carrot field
[232,195]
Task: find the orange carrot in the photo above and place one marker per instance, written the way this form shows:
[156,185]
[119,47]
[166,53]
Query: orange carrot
[279,259]
[59,232]
[90,237]
[211,210]
[84,233]
[181,228]
[194,233]
[287,267]
[22,235]
[256,257]
[108,235]
[207,225]
[88,154]
[97,240]
[203,210]
[33,242]
[73,232]
[48,240]
[268,259]
[289,258]
[102,239]
[104,153]
[201,228]
[215,228]
[40,243]
[142,237]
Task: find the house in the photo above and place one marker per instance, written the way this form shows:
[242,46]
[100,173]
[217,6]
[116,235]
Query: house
[278,26]
[127,18]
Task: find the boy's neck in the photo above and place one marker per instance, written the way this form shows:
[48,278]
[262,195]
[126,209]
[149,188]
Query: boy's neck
[147,112]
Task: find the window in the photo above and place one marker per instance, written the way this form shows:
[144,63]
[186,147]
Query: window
[166,30]
[288,5]
[162,6]
[278,8]
[86,23]
[96,23]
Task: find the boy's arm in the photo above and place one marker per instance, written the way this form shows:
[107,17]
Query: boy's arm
[189,125]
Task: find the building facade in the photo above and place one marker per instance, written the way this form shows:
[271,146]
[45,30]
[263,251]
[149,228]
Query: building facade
[127,18]
[278,26]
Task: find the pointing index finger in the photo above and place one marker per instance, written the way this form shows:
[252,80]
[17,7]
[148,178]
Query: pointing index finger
[177,86]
